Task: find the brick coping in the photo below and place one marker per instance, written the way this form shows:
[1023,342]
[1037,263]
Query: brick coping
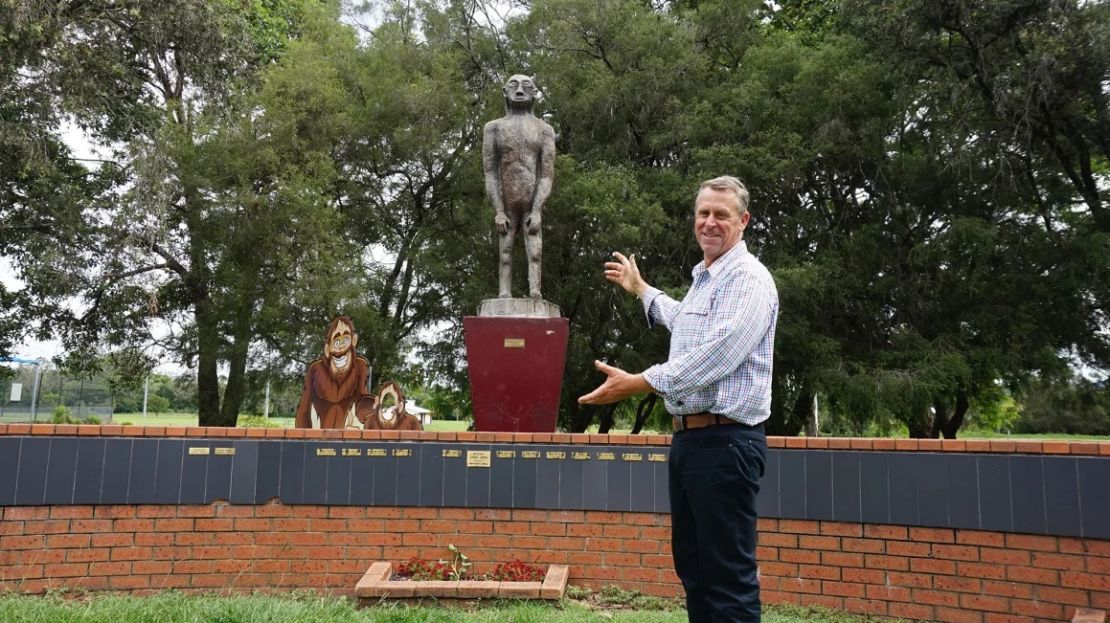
[375,584]
[994,446]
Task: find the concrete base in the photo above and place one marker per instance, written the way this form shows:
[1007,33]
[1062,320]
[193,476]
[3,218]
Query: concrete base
[519,308]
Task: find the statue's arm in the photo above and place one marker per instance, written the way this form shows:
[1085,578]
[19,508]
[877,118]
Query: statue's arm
[490,164]
[545,174]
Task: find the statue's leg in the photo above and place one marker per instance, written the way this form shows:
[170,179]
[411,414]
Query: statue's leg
[505,264]
[533,247]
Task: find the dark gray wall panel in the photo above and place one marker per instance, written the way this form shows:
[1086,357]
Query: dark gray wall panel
[501,477]
[570,480]
[62,471]
[268,471]
[244,472]
[1027,493]
[595,481]
[117,471]
[194,471]
[338,491]
[9,468]
[903,488]
[525,471]
[620,484]
[1094,482]
[995,510]
[454,479]
[291,485]
[547,476]
[932,489]
[385,475]
[1061,496]
[167,471]
[477,481]
[767,500]
[144,473]
[217,481]
[362,476]
[431,474]
[963,491]
[874,489]
[34,457]
[407,456]
[819,487]
[316,458]
[641,481]
[662,488]
[845,486]
[792,484]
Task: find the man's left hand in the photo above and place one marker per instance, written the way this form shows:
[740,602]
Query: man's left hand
[617,386]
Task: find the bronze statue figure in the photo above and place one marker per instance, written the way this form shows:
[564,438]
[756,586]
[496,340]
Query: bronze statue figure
[518,156]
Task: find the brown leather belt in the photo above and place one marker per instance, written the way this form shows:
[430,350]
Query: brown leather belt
[700,420]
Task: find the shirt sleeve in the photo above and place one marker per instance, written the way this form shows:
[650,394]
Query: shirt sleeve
[658,307]
[739,318]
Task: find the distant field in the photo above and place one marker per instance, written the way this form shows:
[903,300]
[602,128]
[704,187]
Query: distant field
[190,419]
[978,434]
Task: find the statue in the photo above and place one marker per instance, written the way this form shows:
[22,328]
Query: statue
[518,156]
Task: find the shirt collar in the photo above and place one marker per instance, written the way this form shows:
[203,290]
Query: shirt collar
[730,258]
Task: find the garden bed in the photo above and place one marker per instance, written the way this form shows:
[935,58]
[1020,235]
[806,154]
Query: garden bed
[376,584]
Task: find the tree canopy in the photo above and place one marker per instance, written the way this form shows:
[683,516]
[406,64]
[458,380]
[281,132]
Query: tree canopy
[928,181]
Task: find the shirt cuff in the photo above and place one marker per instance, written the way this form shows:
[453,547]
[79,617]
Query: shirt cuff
[657,379]
[648,297]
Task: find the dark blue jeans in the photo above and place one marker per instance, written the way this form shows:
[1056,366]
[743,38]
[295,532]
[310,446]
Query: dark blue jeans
[714,478]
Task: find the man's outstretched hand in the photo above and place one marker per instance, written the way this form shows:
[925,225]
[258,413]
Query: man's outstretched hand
[625,273]
[618,385]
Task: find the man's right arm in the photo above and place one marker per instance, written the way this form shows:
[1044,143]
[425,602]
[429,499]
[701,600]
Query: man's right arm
[658,307]
[490,166]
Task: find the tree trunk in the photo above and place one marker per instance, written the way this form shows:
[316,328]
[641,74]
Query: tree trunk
[781,422]
[236,377]
[802,413]
[940,418]
[208,348]
[957,420]
[605,422]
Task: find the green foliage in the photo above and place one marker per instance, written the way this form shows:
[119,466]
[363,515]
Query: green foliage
[257,421]
[1077,407]
[63,415]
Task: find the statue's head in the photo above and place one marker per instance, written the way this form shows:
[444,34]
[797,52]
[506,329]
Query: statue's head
[520,92]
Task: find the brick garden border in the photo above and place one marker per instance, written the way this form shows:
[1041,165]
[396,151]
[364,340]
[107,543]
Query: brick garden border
[375,586]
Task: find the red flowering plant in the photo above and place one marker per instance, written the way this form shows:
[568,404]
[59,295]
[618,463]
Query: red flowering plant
[516,571]
[458,568]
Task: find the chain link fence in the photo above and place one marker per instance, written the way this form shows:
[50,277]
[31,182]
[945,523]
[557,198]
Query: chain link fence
[30,393]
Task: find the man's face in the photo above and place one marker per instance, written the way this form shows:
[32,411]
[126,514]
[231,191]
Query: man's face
[520,89]
[340,348]
[718,224]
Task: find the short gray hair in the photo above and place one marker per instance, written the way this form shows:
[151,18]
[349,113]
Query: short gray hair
[731,184]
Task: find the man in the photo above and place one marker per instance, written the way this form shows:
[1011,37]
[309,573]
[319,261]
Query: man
[717,385]
[518,160]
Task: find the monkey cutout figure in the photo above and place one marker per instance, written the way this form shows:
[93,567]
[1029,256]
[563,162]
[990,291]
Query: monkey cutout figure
[335,394]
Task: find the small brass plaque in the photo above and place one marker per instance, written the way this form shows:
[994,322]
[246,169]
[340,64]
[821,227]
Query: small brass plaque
[200,450]
[506,454]
[657,457]
[325,451]
[477,458]
[225,451]
[352,451]
[402,452]
[514,342]
[452,454]
[375,452]
[606,456]
[580,456]
[529,454]
[551,454]
[632,456]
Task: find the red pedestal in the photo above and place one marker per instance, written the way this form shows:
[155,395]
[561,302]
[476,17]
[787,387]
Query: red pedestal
[516,371]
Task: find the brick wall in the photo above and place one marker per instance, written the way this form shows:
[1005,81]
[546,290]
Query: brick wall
[915,573]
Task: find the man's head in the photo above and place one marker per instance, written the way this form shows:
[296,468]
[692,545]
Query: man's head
[339,346]
[720,216]
[520,93]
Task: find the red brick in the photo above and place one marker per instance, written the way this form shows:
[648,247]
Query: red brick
[1090,581]
[957,584]
[1031,575]
[932,565]
[894,563]
[953,615]
[867,546]
[865,606]
[1004,556]
[936,598]
[995,617]
[907,548]
[910,611]
[1066,596]
[886,532]
[933,535]
[821,573]
[1032,542]
[981,570]
[819,542]
[1008,589]
[985,602]
[844,589]
[973,537]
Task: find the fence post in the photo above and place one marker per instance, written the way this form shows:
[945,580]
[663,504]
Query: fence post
[35,393]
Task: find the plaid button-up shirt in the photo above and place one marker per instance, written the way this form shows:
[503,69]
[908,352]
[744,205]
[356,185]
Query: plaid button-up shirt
[722,339]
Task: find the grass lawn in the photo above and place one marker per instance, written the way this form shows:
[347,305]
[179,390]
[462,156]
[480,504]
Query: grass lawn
[177,608]
[986,434]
